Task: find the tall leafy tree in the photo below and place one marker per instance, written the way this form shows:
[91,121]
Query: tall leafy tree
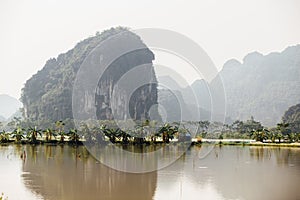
[74,136]
[259,134]
[18,134]
[32,134]
[167,132]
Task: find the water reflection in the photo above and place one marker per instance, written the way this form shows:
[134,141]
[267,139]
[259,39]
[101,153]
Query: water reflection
[11,182]
[228,172]
[64,172]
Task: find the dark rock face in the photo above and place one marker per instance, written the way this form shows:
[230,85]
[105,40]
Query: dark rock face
[292,117]
[47,96]
[132,101]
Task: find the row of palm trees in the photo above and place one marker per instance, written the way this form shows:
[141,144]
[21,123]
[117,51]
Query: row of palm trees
[144,132]
[141,134]
[31,135]
[97,134]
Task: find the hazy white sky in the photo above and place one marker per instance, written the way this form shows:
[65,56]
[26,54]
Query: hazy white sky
[33,31]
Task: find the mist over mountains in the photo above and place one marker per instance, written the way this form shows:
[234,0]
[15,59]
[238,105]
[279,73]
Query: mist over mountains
[261,86]
[8,106]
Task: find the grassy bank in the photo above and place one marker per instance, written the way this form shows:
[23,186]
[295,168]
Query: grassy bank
[241,143]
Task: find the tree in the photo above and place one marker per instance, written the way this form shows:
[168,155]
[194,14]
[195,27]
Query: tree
[18,134]
[109,132]
[238,126]
[4,136]
[260,134]
[60,130]
[32,134]
[273,135]
[73,136]
[49,133]
[247,126]
[167,132]
[292,137]
[123,136]
[283,128]
[202,128]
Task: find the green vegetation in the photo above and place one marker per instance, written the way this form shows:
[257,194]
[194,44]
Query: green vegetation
[147,132]
[143,132]
[24,131]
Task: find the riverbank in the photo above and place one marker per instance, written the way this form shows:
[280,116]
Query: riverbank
[245,142]
[236,142]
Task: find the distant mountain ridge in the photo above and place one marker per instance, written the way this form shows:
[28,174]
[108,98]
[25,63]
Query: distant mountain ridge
[261,86]
[8,106]
[184,103]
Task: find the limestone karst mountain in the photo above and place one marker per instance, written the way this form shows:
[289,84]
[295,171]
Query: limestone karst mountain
[48,94]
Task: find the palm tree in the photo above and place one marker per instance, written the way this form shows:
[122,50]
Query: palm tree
[33,133]
[60,130]
[123,136]
[272,135]
[167,132]
[4,136]
[62,135]
[291,137]
[49,133]
[74,137]
[283,129]
[259,134]
[279,136]
[18,134]
[109,132]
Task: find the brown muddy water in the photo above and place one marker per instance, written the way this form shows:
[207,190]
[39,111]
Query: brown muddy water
[227,172]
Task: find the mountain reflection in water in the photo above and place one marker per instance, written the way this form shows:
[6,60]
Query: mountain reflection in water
[64,172]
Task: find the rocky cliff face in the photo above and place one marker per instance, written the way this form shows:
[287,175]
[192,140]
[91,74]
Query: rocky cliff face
[47,96]
[132,101]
